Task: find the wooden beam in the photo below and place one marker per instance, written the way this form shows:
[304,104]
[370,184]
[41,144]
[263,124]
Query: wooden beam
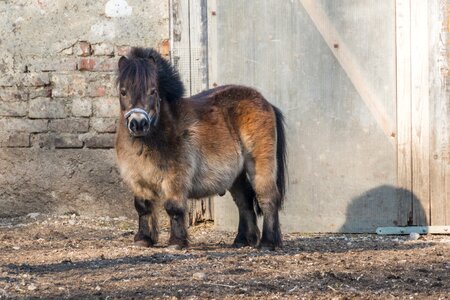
[420,112]
[198,33]
[347,61]
[404,158]
[181,56]
[439,117]
[212,43]
[410,229]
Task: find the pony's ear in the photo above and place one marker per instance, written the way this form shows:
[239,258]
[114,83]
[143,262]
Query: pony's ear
[122,62]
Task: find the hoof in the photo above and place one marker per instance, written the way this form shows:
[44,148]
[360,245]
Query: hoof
[143,243]
[174,247]
[239,245]
[267,248]
[240,242]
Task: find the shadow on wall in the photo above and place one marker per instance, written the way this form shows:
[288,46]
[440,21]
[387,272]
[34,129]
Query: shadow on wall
[383,206]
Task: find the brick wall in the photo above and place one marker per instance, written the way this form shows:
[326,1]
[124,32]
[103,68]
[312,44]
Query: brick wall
[59,104]
[69,102]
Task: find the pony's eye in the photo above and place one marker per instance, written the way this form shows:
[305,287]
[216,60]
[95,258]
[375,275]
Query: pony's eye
[123,92]
[153,91]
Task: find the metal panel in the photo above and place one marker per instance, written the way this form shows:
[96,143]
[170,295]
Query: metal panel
[342,159]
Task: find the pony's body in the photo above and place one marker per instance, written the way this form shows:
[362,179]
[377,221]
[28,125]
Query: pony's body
[221,139]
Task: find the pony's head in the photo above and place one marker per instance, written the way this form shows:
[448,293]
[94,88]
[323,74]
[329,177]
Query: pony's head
[138,88]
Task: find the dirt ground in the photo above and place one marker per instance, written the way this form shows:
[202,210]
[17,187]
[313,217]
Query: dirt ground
[83,258]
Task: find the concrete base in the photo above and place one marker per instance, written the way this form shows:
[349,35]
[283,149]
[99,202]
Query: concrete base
[61,181]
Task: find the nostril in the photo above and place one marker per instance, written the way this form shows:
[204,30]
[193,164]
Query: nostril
[143,124]
[134,125]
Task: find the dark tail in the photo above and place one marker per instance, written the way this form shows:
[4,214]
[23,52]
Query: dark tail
[281,155]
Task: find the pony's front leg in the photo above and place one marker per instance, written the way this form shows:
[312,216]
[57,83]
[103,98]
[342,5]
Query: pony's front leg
[176,209]
[147,234]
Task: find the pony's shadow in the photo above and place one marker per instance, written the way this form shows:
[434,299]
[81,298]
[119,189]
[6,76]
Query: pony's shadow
[383,206]
[100,263]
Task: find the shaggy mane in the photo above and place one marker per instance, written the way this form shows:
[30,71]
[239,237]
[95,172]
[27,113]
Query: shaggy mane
[138,71]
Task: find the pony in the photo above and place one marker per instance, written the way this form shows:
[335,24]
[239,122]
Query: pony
[170,149]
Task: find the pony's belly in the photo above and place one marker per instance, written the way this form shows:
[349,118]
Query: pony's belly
[216,178]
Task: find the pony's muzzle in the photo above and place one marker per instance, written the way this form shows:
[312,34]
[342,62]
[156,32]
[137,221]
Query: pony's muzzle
[138,125]
[138,122]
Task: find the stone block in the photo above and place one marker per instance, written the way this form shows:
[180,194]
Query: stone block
[104,124]
[13,109]
[46,108]
[68,141]
[34,79]
[102,140]
[81,107]
[18,139]
[83,49]
[106,107]
[122,50]
[35,92]
[68,85]
[97,64]
[13,94]
[103,49]
[70,125]
[23,125]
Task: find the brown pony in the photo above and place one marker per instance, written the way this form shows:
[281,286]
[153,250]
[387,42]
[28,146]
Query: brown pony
[171,148]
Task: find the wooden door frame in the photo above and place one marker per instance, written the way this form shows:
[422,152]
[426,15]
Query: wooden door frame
[422,114]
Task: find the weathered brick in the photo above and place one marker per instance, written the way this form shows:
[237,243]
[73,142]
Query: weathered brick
[96,91]
[34,79]
[43,140]
[53,64]
[104,49]
[68,141]
[23,125]
[83,49]
[103,140]
[47,108]
[45,91]
[122,50]
[18,139]
[104,124]
[81,107]
[101,84]
[13,94]
[68,85]
[71,125]
[97,64]
[86,64]
[106,107]
[13,109]
[26,79]
[54,140]
[164,48]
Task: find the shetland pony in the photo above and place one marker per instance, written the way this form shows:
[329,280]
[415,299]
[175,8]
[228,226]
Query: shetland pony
[171,148]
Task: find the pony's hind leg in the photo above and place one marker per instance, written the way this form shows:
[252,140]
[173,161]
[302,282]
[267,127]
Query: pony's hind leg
[243,195]
[262,170]
[147,234]
[271,236]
